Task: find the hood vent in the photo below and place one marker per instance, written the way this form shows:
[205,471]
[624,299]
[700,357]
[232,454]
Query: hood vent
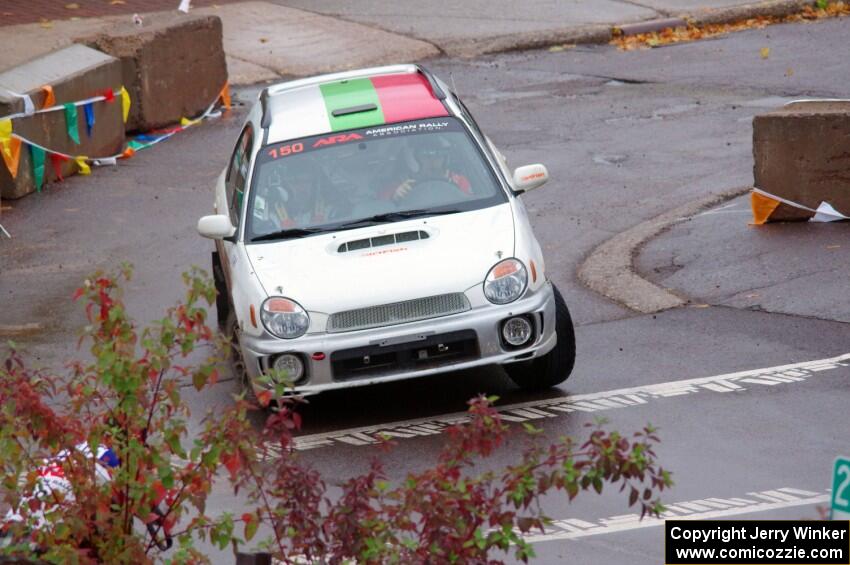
[382,240]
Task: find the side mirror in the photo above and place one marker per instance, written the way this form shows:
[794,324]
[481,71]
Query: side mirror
[529,177]
[216,227]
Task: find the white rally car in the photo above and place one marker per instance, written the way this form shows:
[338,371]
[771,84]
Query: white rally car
[367,231]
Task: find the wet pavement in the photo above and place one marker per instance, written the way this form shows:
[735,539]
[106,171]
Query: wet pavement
[626,136]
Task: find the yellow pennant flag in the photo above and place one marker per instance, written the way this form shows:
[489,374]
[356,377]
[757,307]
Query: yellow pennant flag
[125,103]
[10,147]
[186,122]
[82,165]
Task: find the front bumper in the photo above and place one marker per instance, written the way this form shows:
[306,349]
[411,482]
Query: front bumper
[483,321]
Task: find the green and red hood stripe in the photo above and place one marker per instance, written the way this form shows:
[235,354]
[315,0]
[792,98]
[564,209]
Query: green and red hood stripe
[398,98]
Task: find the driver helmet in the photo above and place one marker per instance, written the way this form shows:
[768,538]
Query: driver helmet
[431,154]
[300,181]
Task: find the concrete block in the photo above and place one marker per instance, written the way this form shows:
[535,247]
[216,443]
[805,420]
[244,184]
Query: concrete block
[802,154]
[173,66]
[75,73]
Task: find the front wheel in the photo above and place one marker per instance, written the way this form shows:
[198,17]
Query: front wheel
[237,362]
[554,367]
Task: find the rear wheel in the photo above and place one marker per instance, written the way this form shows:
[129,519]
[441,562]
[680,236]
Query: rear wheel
[554,367]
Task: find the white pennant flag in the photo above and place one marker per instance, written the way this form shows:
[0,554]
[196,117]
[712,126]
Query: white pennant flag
[29,107]
[184,6]
[826,213]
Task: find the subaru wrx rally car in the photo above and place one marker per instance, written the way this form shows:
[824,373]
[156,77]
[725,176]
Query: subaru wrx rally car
[366,231]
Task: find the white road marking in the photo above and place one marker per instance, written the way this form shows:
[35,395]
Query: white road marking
[593,402]
[702,509]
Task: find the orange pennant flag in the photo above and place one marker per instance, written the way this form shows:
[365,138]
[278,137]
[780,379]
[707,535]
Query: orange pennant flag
[762,207]
[49,97]
[225,96]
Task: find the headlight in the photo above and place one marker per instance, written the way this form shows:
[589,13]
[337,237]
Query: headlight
[284,318]
[505,282]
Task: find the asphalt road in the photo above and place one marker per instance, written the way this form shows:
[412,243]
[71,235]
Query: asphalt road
[626,136]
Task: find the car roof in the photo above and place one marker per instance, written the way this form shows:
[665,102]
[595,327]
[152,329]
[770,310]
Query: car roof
[350,100]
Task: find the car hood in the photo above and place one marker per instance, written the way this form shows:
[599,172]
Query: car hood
[457,254]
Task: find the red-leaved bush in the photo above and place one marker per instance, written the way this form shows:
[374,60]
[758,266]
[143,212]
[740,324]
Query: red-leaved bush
[71,501]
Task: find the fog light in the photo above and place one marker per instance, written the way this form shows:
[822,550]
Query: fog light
[291,367]
[517,331]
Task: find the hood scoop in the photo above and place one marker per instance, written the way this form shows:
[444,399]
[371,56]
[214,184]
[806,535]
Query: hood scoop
[382,240]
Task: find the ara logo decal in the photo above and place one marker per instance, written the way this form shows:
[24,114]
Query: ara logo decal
[334,139]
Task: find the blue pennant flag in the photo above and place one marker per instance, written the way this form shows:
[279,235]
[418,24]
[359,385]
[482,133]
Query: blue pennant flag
[89,110]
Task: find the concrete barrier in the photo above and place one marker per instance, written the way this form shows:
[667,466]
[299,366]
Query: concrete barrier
[75,73]
[173,65]
[802,154]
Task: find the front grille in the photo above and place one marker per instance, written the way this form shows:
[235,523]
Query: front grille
[398,312]
[425,353]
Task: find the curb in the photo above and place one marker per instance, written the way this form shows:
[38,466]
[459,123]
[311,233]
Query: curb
[747,11]
[609,269]
[603,33]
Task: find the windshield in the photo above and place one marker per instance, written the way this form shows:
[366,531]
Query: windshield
[367,176]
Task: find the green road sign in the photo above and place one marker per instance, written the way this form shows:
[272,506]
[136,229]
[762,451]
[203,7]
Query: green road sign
[840,507]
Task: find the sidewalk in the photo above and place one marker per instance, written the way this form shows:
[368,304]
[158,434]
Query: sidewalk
[266,40]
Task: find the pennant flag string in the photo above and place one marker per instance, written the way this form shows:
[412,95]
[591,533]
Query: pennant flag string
[142,141]
[61,107]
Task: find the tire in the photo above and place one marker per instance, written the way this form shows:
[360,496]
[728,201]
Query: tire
[553,368]
[237,363]
[222,303]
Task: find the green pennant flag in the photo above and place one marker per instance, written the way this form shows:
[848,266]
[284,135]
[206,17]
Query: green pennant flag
[71,122]
[37,157]
[135,145]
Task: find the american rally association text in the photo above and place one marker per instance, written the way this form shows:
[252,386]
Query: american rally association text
[757,533]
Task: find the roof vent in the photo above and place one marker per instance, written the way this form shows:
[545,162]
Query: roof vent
[382,240]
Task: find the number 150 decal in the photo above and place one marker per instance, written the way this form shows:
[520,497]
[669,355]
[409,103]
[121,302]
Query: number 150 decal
[286,150]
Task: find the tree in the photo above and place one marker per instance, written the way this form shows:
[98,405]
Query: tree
[53,427]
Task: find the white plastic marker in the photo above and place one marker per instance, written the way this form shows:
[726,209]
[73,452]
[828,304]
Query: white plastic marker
[184,6]
[593,402]
[701,509]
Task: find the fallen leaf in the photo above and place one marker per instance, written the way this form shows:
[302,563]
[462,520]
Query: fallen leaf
[700,305]
[752,295]
[46,24]
[72,6]
[789,72]
[833,246]
[264,40]
[117,2]
[556,48]
[765,52]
